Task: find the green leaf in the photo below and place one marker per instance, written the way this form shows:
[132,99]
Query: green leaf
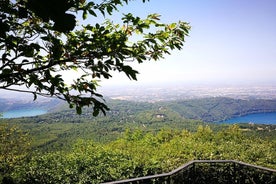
[130,72]
[35,96]
[84,15]
[78,109]
[65,23]
[109,10]
[92,13]
[96,112]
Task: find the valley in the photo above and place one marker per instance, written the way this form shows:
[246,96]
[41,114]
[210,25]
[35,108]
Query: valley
[135,138]
[63,125]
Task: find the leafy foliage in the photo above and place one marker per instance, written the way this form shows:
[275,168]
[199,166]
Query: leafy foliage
[138,153]
[14,147]
[40,41]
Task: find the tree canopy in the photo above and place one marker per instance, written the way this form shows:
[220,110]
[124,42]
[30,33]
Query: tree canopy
[40,40]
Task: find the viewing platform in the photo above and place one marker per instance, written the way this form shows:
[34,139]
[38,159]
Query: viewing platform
[209,171]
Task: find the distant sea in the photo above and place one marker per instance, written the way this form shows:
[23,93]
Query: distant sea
[22,113]
[258,118]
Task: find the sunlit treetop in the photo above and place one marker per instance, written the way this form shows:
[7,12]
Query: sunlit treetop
[40,41]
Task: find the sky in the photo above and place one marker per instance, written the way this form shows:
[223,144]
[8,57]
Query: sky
[230,42]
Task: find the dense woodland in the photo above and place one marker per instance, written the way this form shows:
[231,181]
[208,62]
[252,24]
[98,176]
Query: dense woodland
[133,139]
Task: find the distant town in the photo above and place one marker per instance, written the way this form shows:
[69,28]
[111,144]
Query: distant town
[154,94]
[151,93]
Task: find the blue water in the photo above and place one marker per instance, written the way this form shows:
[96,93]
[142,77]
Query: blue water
[259,118]
[23,113]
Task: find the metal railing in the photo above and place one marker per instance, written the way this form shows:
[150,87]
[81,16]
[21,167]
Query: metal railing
[210,171]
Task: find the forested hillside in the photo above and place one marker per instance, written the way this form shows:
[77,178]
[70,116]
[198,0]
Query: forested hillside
[133,154]
[220,108]
[57,129]
[215,109]
[133,139]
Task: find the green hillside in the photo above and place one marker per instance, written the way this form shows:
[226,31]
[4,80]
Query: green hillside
[220,108]
[57,130]
[133,139]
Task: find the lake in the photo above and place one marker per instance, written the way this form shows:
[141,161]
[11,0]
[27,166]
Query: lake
[23,113]
[258,118]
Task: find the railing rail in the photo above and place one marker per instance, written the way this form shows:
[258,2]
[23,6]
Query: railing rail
[208,171]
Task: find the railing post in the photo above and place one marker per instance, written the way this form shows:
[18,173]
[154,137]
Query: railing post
[194,172]
[235,172]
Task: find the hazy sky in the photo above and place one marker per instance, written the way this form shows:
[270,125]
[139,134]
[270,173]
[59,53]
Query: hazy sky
[231,41]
